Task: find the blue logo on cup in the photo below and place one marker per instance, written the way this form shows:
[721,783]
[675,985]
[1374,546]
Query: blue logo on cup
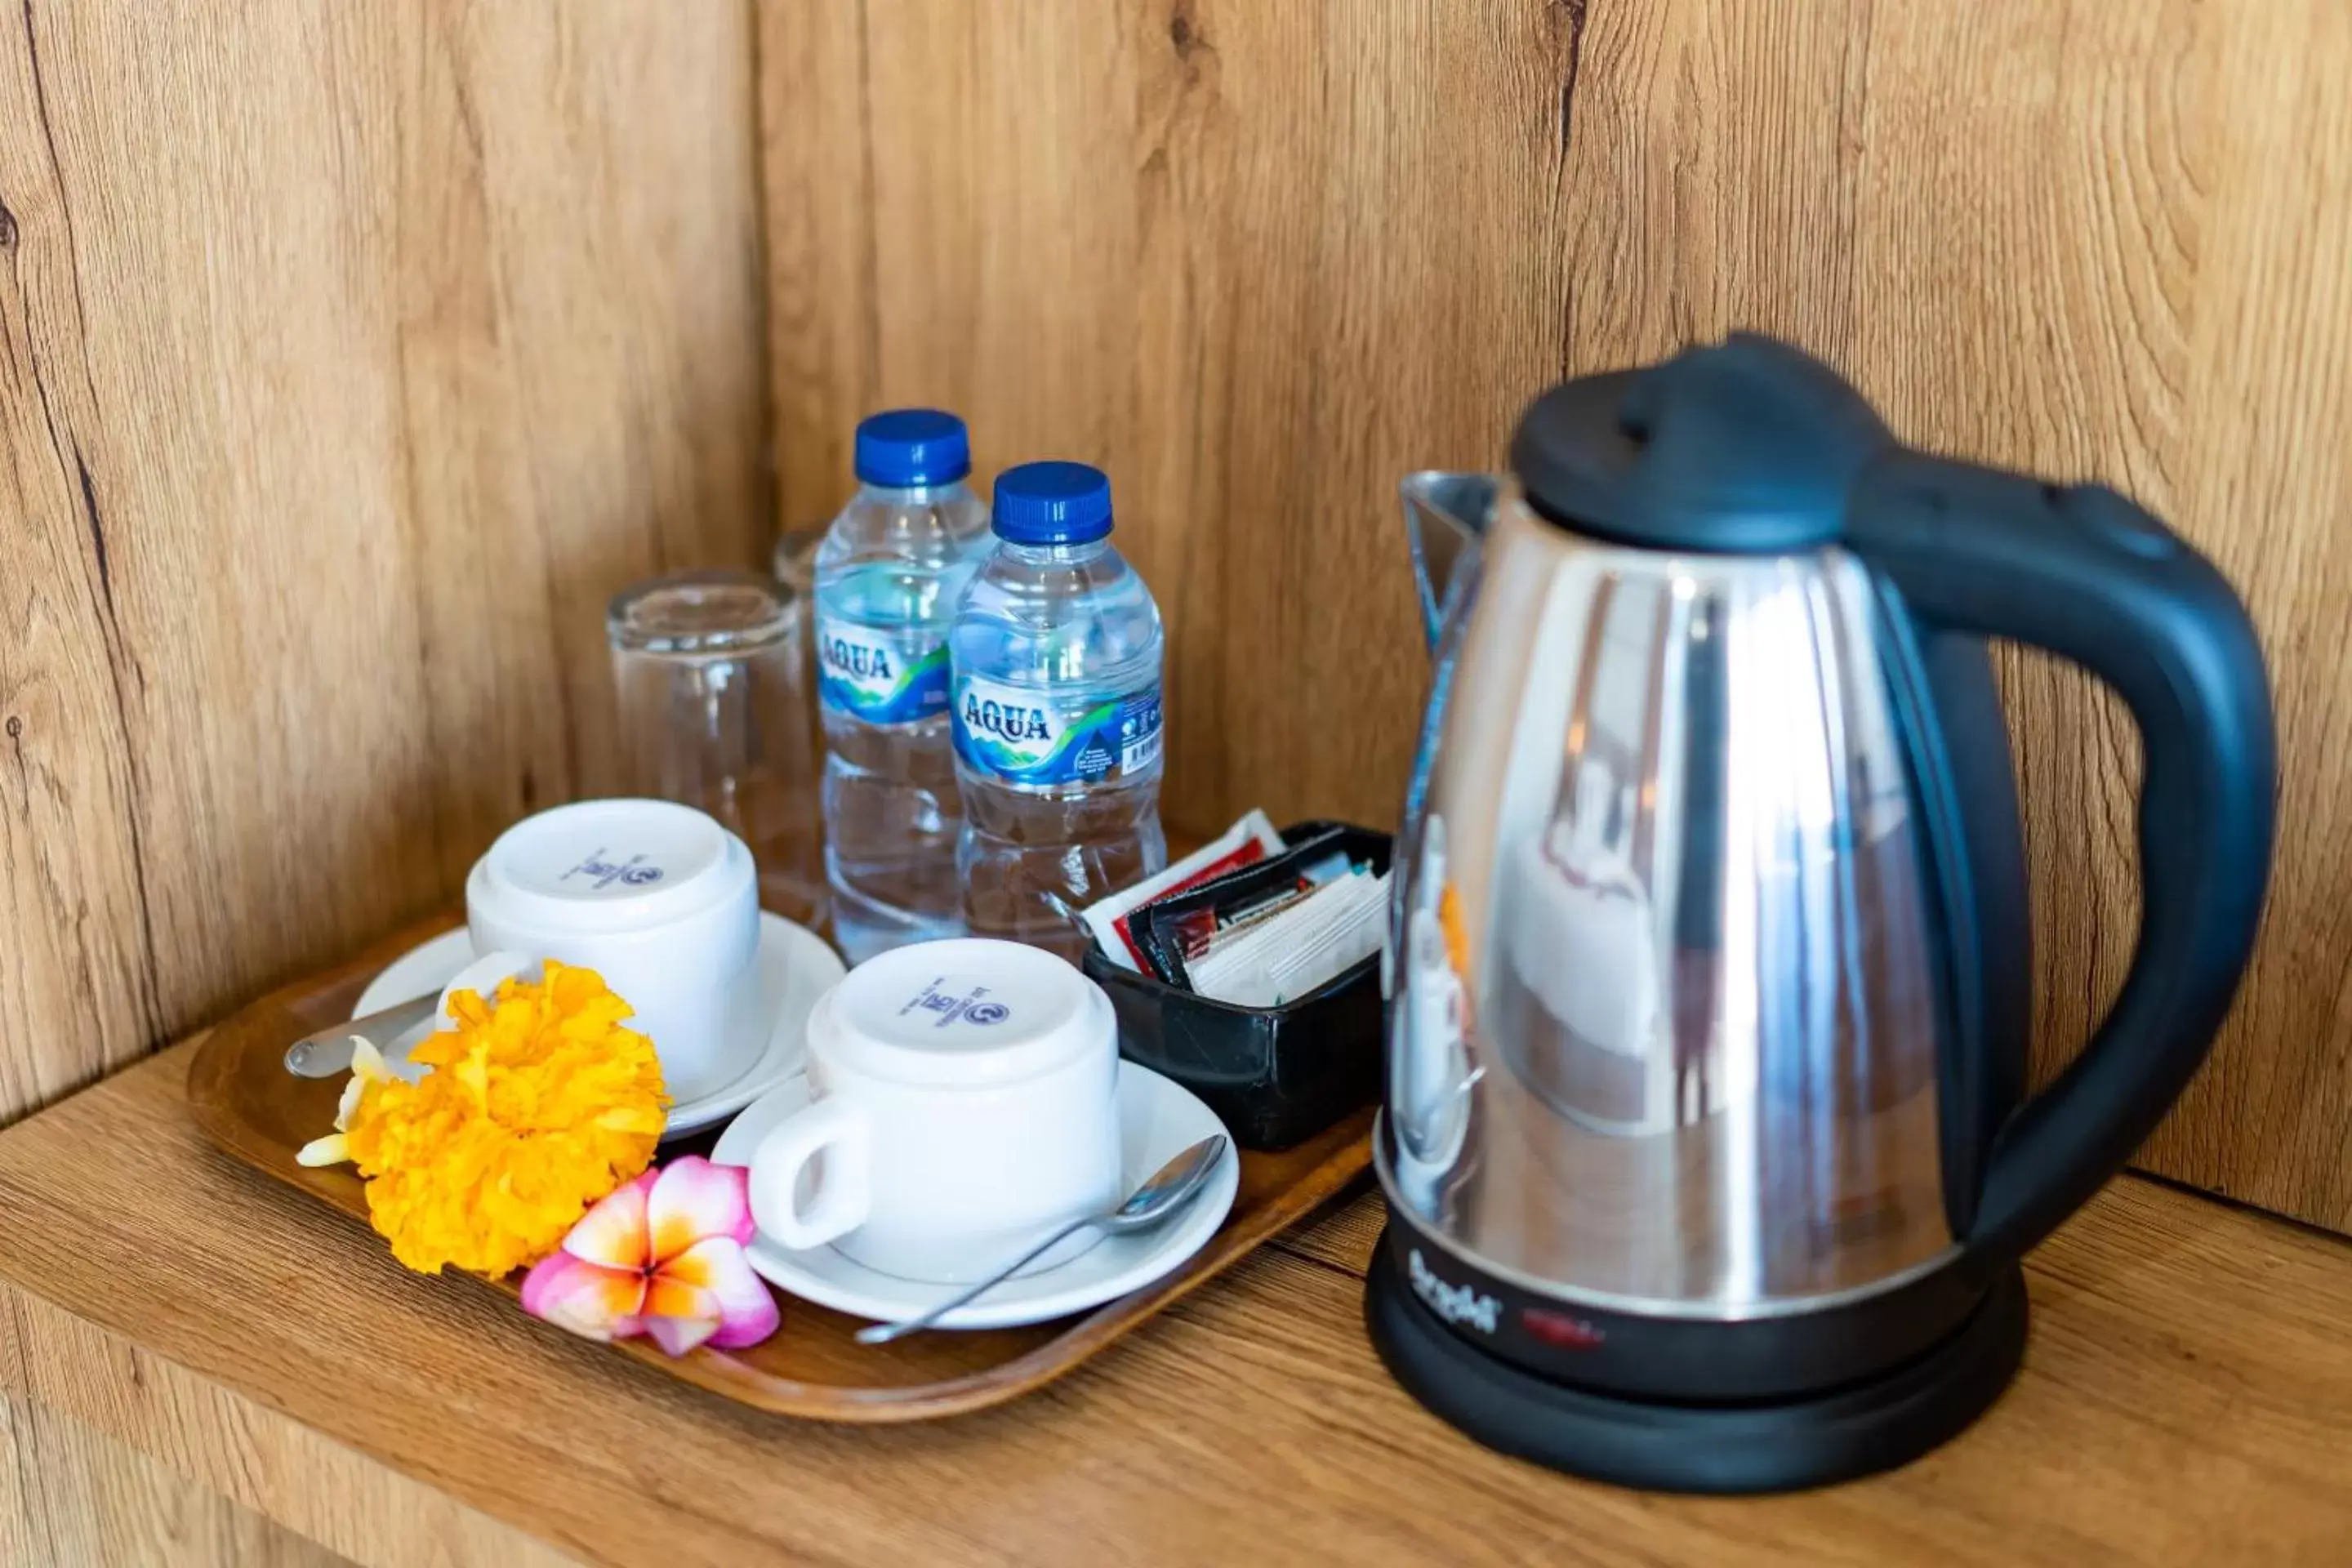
[602,870]
[934,998]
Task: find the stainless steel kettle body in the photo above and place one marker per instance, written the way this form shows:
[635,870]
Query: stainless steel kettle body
[1709,964]
[1664,1034]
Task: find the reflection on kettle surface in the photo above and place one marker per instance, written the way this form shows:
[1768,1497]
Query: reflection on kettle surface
[1665,940]
[1431,1079]
[1708,1153]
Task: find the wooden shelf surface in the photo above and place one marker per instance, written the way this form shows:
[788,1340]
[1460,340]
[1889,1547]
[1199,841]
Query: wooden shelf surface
[2186,1398]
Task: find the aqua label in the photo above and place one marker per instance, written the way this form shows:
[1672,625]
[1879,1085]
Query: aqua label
[1039,739]
[878,676]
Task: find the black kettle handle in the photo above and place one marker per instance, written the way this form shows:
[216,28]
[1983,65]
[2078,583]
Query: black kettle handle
[2086,574]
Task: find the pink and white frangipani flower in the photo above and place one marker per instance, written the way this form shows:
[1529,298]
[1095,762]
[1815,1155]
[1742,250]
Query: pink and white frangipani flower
[661,1256]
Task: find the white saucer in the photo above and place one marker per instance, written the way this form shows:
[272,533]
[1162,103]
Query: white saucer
[1158,1118]
[796,967]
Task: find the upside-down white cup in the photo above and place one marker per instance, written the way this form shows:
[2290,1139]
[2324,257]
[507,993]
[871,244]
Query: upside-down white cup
[965,1102]
[656,897]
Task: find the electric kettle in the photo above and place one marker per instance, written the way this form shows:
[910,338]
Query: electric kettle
[1707,1154]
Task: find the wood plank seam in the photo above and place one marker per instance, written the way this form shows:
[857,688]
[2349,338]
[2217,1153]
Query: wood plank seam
[350,360]
[328,1492]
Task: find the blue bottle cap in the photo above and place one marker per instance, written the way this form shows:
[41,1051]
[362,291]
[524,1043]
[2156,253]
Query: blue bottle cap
[910,447]
[1052,503]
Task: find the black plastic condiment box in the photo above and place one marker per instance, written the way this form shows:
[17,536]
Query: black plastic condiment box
[1275,1076]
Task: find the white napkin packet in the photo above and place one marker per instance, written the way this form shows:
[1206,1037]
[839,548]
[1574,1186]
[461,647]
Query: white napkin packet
[1307,944]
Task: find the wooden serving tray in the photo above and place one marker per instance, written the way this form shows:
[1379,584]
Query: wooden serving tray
[248,1102]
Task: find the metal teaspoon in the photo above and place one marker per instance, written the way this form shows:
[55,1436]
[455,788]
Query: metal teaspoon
[1173,1187]
[328,1051]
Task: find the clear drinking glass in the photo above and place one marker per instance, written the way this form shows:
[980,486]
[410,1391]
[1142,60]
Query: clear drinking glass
[715,676]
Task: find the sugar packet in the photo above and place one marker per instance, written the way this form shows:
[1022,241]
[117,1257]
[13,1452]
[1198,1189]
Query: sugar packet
[1305,945]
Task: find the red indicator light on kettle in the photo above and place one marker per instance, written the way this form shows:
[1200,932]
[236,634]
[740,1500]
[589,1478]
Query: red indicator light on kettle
[1560,1331]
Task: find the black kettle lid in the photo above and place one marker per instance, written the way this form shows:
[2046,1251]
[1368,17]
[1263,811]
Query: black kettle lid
[1746,447]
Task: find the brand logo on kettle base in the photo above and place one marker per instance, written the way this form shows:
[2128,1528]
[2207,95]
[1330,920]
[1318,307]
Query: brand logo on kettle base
[1457,1304]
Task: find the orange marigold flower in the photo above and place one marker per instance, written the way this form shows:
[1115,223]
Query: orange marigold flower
[538,1104]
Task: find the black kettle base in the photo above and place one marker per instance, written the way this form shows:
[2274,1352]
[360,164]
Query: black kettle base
[1762,1446]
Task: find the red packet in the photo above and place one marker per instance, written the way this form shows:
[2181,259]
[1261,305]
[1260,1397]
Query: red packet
[1245,842]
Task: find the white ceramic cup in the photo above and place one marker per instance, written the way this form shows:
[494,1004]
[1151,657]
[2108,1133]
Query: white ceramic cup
[965,1103]
[656,897]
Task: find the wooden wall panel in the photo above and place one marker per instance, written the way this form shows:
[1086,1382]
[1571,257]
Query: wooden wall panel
[349,357]
[1213,248]
[2087,240]
[1262,259]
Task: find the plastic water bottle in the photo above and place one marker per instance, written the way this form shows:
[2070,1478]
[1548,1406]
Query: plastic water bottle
[887,578]
[1056,655]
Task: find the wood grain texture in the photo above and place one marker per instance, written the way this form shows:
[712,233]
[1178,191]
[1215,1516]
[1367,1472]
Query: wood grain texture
[73,1498]
[1261,260]
[2109,244]
[242,1096]
[350,358]
[133,1461]
[2186,1398]
[1208,246]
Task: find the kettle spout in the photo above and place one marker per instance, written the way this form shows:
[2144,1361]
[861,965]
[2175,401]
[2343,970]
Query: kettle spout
[1445,519]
